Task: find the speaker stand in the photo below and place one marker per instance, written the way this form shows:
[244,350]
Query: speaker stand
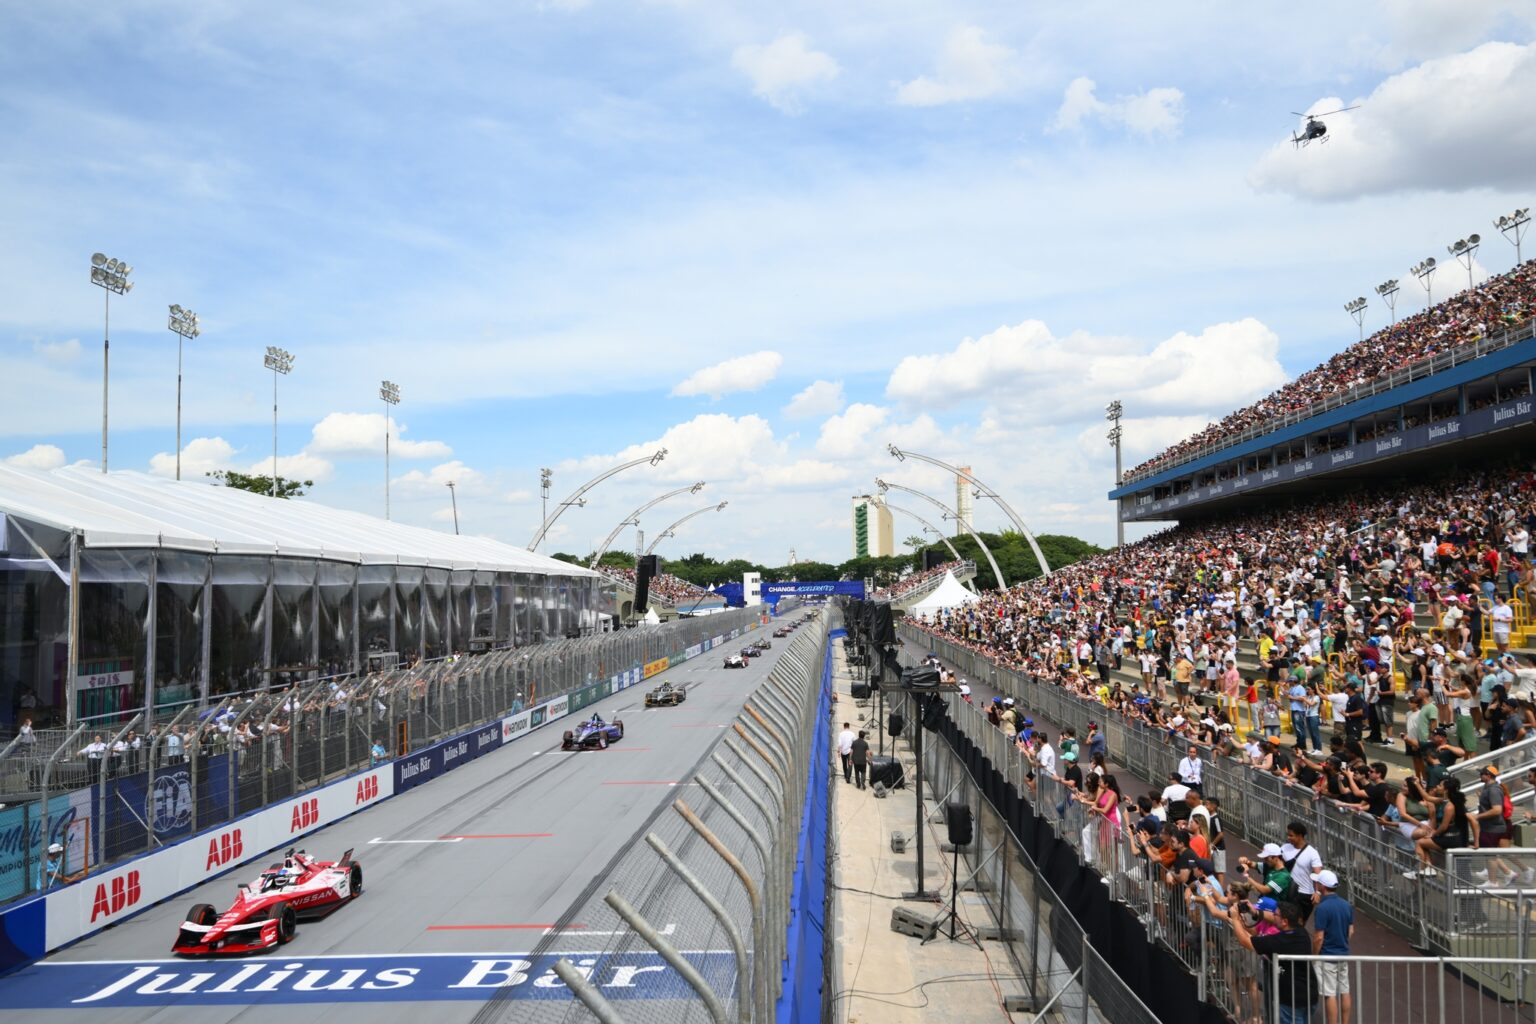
[917,792]
[954,906]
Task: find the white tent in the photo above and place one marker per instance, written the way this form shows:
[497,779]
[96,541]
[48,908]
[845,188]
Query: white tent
[948,594]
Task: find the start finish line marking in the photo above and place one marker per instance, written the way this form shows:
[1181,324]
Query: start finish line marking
[58,985]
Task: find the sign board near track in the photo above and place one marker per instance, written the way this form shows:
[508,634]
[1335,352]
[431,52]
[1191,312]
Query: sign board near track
[657,667]
[821,588]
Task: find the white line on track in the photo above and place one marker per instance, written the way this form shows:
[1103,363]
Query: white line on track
[405,842]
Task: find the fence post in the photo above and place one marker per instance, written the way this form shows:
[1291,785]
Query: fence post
[585,991]
[669,953]
[743,984]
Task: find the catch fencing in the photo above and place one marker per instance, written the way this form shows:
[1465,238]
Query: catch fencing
[1452,911]
[708,884]
[106,796]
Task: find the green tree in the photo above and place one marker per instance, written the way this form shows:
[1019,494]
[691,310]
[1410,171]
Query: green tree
[262,484]
[914,542]
[621,559]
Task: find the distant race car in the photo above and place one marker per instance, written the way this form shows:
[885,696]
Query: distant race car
[735,661]
[764,645]
[751,652]
[266,913]
[665,696]
[592,734]
[781,632]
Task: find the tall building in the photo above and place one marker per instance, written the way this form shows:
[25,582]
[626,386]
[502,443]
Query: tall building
[872,529]
[965,503]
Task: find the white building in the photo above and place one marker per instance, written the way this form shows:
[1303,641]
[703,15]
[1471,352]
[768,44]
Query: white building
[872,531]
[965,503]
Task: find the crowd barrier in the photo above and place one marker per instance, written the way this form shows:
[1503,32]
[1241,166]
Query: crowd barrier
[1455,911]
[193,808]
[724,885]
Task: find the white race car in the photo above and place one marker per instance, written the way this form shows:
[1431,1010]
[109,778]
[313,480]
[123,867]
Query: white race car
[735,661]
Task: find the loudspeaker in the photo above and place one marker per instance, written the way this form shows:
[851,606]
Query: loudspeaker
[920,677]
[934,714]
[887,771]
[860,691]
[932,559]
[894,724]
[649,569]
[882,628]
[957,818]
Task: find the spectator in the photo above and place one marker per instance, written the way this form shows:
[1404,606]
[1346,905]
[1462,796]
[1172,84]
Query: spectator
[845,751]
[1334,921]
[859,753]
[1288,937]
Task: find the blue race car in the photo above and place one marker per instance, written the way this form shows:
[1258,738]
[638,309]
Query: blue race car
[594,733]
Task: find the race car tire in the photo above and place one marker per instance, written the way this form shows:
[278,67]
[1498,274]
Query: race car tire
[287,923]
[202,913]
[355,880]
[568,741]
[602,741]
[619,725]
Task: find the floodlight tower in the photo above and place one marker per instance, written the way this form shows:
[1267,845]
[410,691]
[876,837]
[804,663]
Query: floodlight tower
[184,322]
[389,391]
[111,276]
[1513,228]
[671,531]
[454,494]
[1464,249]
[1356,309]
[577,500]
[279,362]
[1424,270]
[1388,292]
[1112,412]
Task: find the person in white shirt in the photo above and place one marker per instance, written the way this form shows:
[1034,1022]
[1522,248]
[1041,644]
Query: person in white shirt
[1190,768]
[845,750]
[1503,617]
[965,691]
[1045,754]
[1304,859]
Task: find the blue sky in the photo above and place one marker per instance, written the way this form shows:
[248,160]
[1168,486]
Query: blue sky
[541,219]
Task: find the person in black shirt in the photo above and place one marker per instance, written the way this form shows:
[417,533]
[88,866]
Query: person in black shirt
[1297,996]
[860,756]
[1354,713]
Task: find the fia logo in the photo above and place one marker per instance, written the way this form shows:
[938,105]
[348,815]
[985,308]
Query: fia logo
[169,806]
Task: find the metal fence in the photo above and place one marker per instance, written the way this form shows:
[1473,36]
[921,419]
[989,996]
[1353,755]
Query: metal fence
[709,888]
[196,766]
[1452,911]
[1414,990]
[1065,976]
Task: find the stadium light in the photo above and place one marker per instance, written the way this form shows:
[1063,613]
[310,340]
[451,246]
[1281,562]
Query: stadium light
[185,323]
[1388,292]
[1513,228]
[982,491]
[1112,412]
[279,362]
[1356,309]
[671,531]
[948,514]
[389,391]
[454,494]
[111,276]
[546,477]
[633,519]
[576,498]
[1464,249]
[1424,270]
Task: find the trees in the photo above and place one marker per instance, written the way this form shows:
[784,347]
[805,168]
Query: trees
[257,484]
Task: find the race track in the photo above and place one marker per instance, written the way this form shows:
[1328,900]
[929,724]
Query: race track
[465,881]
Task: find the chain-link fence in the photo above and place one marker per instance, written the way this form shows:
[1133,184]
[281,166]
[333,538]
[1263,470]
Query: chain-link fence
[1478,904]
[110,794]
[708,890]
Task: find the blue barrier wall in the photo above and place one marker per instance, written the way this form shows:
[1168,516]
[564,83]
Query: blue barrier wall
[805,964]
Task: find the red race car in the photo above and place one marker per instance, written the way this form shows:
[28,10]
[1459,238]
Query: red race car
[266,913]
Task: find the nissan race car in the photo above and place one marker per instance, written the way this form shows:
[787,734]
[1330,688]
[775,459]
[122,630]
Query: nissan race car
[594,733]
[266,913]
[735,661]
[751,652]
[665,696]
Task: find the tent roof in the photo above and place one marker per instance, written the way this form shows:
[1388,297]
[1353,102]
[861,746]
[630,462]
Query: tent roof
[946,595]
[134,510]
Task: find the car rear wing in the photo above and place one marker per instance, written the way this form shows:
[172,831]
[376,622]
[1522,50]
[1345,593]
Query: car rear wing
[346,858]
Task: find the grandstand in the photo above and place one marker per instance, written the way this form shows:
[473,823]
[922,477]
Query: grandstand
[1453,381]
[668,595]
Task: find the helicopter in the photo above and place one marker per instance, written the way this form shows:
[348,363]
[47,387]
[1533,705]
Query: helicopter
[1315,130]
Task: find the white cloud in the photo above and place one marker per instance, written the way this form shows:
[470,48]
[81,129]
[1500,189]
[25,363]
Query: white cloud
[847,434]
[199,457]
[1453,123]
[1157,111]
[1080,371]
[744,373]
[303,466]
[784,70]
[712,446]
[39,456]
[517,497]
[969,68]
[362,433]
[58,351]
[822,398]
[808,474]
[435,481]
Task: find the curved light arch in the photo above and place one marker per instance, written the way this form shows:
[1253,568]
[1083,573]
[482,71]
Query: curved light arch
[672,530]
[576,495]
[633,519]
[950,513]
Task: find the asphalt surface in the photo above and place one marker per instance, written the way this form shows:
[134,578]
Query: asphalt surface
[460,877]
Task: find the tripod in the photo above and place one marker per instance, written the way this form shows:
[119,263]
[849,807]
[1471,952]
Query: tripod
[954,903]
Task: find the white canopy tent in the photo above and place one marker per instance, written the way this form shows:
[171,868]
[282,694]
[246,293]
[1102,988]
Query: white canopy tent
[949,594]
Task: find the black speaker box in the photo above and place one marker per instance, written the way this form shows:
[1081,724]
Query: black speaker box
[933,559]
[882,627]
[957,818]
[934,714]
[887,771]
[649,569]
[860,691]
[895,723]
[920,677]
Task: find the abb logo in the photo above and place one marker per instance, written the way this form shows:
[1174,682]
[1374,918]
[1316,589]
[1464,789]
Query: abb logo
[306,814]
[224,848]
[116,895]
[367,789]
